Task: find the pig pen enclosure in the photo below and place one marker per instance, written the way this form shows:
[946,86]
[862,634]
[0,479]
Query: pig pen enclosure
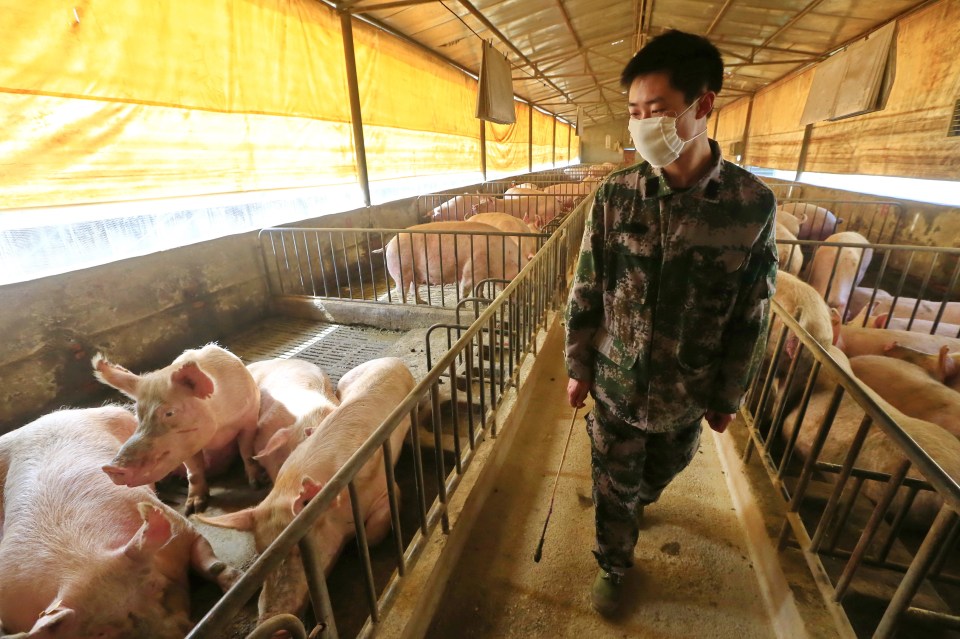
[870,496]
[339,307]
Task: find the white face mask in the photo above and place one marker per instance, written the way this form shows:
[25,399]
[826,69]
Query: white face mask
[657,140]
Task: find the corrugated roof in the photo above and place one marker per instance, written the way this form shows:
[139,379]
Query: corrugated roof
[569,53]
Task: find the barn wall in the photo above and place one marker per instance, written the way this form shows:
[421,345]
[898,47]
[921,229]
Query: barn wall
[141,312]
[775,135]
[592,142]
[909,136]
[731,124]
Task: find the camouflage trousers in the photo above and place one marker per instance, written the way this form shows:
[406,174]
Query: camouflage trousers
[631,467]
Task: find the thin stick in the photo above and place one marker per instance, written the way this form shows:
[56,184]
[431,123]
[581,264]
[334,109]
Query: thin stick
[537,555]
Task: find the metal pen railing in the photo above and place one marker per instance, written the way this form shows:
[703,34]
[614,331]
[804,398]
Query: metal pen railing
[915,287]
[879,221]
[863,491]
[352,264]
[482,363]
[536,209]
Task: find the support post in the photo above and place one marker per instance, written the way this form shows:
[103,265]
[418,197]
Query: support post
[483,148]
[346,29]
[530,138]
[553,144]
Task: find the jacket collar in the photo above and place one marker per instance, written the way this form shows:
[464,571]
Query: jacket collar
[653,184]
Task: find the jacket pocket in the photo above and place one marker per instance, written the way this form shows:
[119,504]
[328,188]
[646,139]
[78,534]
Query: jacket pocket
[613,349]
[714,281]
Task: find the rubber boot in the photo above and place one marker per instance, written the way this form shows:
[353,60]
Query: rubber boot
[605,594]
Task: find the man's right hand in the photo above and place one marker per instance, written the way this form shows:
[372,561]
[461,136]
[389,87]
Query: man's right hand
[577,390]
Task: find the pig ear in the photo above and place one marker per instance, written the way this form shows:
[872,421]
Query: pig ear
[191,377]
[49,620]
[308,490]
[308,431]
[280,438]
[948,365]
[152,535]
[880,320]
[116,376]
[835,325]
[240,520]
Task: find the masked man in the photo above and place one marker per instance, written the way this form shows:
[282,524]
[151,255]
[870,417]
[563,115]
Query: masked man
[670,301]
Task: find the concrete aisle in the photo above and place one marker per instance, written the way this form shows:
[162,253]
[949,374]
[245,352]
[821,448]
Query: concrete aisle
[693,575]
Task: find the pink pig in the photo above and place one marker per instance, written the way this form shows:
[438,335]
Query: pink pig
[295,396]
[82,558]
[190,413]
[369,393]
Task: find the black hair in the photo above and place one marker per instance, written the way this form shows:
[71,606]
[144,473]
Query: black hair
[691,62]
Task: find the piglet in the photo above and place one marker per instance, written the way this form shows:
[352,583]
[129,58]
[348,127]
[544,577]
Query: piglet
[82,558]
[295,396]
[192,412]
[368,393]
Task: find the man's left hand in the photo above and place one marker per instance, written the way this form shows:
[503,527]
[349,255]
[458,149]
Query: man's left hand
[719,421]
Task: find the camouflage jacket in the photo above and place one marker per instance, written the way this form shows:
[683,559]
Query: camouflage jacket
[670,300]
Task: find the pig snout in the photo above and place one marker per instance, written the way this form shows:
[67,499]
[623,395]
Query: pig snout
[137,468]
[118,475]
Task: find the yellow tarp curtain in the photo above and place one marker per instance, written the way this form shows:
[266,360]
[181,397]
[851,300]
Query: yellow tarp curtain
[111,100]
[574,147]
[562,142]
[507,144]
[418,112]
[542,140]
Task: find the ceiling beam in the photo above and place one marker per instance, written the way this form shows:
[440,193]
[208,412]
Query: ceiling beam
[576,40]
[768,63]
[717,18]
[354,6]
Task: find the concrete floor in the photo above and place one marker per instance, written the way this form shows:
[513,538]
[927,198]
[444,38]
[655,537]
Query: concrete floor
[693,575]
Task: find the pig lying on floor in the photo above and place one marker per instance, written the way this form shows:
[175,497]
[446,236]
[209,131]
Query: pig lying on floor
[82,558]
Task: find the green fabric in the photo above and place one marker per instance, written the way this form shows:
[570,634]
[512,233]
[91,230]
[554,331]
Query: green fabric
[670,301]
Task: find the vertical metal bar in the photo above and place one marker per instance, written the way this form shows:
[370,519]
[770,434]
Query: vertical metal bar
[870,530]
[916,573]
[781,406]
[364,550]
[844,514]
[323,270]
[438,446]
[373,277]
[833,272]
[346,262]
[493,374]
[768,383]
[945,550]
[898,523]
[922,291]
[306,249]
[838,489]
[418,468]
[426,261]
[456,260]
[873,296]
[333,258]
[799,420]
[296,254]
[896,296]
[317,586]
[947,294]
[468,366]
[394,504]
[356,117]
[815,449]
[356,250]
[386,275]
